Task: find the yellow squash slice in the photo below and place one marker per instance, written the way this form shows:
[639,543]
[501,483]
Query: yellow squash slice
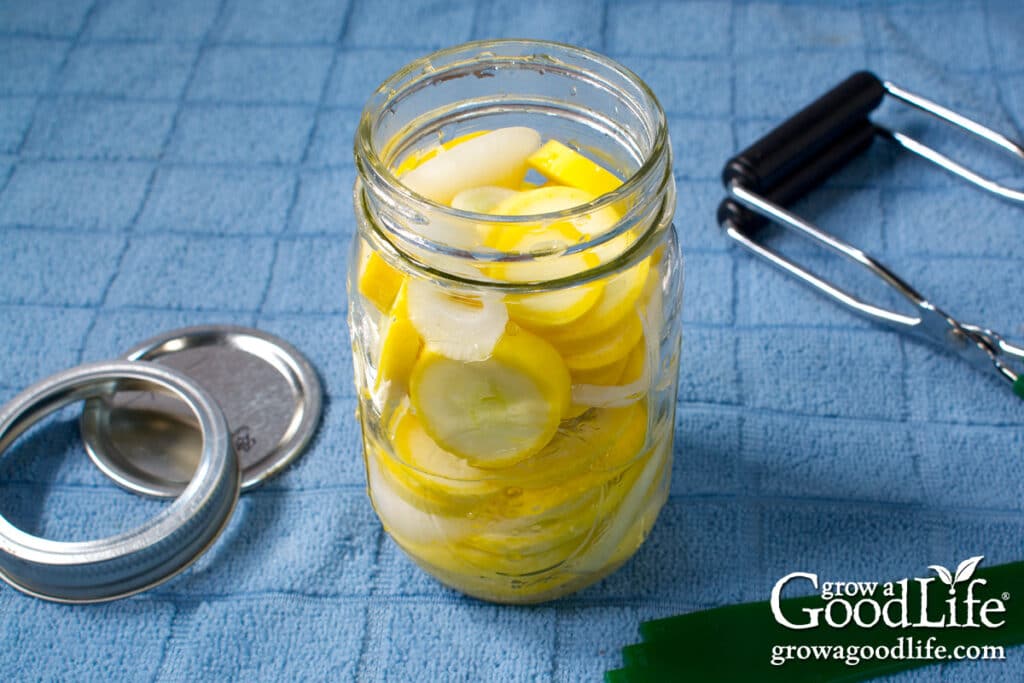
[618,299]
[400,345]
[557,162]
[556,307]
[379,282]
[494,412]
[603,349]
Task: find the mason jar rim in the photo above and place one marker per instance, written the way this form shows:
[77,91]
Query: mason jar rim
[367,153]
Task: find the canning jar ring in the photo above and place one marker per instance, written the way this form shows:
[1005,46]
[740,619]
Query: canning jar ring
[135,560]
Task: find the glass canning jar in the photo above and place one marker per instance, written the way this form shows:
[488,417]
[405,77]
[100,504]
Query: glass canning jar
[514,308]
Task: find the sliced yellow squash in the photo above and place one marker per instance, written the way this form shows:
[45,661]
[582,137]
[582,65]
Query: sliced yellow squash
[618,299]
[603,349]
[400,345]
[494,412]
[563,165]
[379,282]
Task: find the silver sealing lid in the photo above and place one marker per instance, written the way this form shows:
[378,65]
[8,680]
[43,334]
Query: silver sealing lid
[148,441]
[130,562]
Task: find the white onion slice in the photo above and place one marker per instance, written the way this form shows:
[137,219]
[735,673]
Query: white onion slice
[618,396]
[494,158]
[403,519]
[464,331]
[481,199]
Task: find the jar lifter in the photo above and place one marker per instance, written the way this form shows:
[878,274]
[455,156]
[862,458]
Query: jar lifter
[804,151]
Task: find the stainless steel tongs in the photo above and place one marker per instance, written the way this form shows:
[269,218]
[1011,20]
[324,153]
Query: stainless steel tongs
[805,150]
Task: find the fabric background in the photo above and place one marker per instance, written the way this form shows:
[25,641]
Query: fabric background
[164,164]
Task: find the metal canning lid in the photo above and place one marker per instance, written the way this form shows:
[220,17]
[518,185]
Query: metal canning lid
[268,392]
[132,561]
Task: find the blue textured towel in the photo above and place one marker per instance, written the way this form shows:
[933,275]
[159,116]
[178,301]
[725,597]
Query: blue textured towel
[164,164]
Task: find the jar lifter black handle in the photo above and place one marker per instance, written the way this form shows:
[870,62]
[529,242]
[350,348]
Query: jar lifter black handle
[805,150]
[809,147]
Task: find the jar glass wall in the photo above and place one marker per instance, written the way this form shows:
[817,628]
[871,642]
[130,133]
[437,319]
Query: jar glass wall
[514,307]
